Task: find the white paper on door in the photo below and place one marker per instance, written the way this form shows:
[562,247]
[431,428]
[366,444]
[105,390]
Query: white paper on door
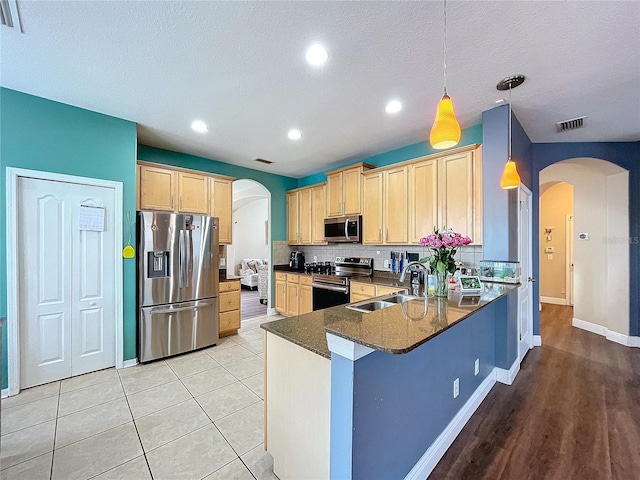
[92,218]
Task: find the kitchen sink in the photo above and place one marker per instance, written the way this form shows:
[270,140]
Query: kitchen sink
[368,306]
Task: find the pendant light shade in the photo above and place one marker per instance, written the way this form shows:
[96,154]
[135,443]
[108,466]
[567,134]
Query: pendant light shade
[510,178]
[445,132]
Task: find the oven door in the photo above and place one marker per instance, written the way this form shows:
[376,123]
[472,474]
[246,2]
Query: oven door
[328,296]
[343,229]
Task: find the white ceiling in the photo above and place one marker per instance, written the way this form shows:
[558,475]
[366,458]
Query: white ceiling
[240,67]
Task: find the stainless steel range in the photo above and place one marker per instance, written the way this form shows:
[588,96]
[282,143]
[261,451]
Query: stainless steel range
[331,289]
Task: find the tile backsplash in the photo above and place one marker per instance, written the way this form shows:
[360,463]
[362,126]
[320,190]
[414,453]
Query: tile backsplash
[281,252]
[470,255]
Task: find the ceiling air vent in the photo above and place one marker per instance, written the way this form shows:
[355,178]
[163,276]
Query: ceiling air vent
[570,124]
[262,160]
[9,15]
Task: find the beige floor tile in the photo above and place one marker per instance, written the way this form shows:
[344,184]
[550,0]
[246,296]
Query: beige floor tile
[29,414]
[249,335]
[148,378]
[193,456]
[31,394]
[232,471]
[190,364]
[87,380]
[260,462]
[91,421]
[88,397]
[156,398]
[97,454]
[244,430]
[38,468]
[208,380]
[141,367]
[255,384]
[27,443]
[224,342]
[246,367]
[230,354]
[226,400]
[256,346]
[136,469]
[166,425]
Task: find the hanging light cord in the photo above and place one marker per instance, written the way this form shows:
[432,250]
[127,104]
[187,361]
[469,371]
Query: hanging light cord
[444,61]
[509,159]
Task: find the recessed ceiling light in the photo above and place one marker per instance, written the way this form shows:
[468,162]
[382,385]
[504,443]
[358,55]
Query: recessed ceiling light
[316,55]
[199,126]
[294,134]
[394,106]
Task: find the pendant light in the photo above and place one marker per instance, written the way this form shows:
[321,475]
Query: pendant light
[445,132]
[510,178]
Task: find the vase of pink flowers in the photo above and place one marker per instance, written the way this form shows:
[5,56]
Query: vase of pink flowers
[443,245]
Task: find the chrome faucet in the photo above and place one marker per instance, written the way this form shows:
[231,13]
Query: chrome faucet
[409,265]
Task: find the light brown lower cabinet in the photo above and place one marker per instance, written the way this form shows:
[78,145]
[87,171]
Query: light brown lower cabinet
[293,289]
[229,307]
[364,291]
[281,292]
[306,295]
[294,294]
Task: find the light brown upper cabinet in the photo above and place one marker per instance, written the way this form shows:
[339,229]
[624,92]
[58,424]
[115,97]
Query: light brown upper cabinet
[157,188]
[344,190]
[423,199]
[193,193]
[222,206]
[305,215]
[385,206]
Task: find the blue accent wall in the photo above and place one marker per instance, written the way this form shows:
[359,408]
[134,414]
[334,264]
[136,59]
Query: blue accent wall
[276,184]
[40,134]
[401,403]
[623,154]
[469,136]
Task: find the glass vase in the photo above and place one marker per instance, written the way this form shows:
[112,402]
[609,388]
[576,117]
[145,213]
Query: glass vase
[442,287]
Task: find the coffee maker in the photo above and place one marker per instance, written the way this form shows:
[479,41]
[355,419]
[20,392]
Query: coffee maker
[296,260]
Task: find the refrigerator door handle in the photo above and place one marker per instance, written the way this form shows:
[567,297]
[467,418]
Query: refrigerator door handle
[181,258]
[201,304]
[188,267]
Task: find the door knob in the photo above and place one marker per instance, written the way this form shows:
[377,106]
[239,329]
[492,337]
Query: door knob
[531,279]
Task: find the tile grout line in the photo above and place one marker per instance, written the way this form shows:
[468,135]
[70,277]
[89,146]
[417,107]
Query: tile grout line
[55,433]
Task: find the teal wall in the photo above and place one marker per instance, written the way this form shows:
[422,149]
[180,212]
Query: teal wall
[469,135]
[276,184]
[39,134]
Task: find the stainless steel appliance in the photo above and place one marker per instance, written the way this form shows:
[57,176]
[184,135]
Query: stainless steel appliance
[177,283]
[343,229]
[331,289]
[296,260]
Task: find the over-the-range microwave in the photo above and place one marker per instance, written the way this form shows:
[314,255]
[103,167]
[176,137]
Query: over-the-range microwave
[346,229]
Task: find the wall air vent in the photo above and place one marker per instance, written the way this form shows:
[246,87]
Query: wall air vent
[10,15]
[572,124]
[262,160]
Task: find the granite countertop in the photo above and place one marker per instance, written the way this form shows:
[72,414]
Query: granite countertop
[396,330]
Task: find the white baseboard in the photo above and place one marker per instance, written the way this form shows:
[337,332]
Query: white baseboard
[621,338]
[130,363]
[553,300]
[5,393]
[272,311]
[537,341]
[439,447]
[508,376]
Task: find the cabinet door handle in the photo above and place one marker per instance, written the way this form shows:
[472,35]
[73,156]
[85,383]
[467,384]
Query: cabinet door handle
[380,234]
[386,235]
[180,202]
[171,200]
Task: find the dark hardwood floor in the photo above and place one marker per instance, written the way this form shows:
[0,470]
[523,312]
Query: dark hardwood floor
[573,412]
[250,306]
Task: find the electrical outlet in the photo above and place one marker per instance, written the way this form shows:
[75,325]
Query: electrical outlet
[476,367]
[456,387]
[315,258]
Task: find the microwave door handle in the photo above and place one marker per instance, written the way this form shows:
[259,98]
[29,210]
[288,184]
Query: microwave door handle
[346,229]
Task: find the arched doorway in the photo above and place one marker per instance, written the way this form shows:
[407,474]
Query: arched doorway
[600,241]
[251,242]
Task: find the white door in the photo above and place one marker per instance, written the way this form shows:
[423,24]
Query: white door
[525,294]
[66,281]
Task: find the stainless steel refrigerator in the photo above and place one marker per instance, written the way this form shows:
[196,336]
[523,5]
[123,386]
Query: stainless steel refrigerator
[178,263]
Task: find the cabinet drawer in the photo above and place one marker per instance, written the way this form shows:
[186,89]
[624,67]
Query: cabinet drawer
[356,298]
[380,290]
[305,280]
[363,289]
[293,278]
[229,301]
[281,276]
[229,286]
[229,321]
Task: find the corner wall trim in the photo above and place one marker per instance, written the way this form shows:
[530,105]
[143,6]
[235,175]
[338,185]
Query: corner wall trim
[537,341]
[553,300]
[5,393]
[508,376]
[621,338]
[130,363]
[272,311]
[346,348]
[439,447]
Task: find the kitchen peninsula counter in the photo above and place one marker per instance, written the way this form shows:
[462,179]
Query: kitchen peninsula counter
[397,329]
